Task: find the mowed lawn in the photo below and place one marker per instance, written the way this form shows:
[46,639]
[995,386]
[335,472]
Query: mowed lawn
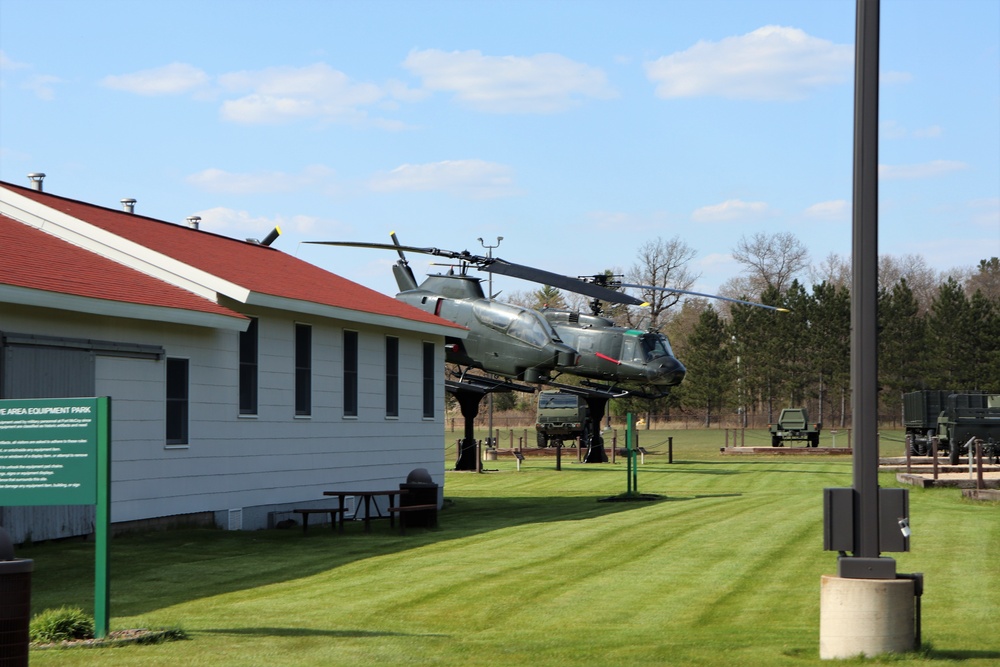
[528,568]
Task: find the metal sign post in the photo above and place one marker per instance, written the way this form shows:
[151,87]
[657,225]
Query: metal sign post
[57,451]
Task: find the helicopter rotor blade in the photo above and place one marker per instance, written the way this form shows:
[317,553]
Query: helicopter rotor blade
[559,281]
[438,252]
[503,267]
[395,242]
[707,296]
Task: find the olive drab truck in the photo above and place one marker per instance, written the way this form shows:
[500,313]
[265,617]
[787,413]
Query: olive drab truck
[793,424]
[560,417]
[953,417]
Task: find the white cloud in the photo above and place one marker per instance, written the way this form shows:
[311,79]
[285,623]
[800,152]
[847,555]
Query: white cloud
[476,179]
[543,83]
[922,170]
[43,86]
[733,209]
[986,213]
[7,64]
[619,221]
[172,79]
[273,94]
[770,63]
[242,224]
[891,78]
[836,209]
[221,181]
[929,132]
[279,94]
[891,129]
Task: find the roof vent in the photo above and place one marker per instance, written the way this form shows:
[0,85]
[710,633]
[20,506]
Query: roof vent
[36,179]
[128,205]
[193,221]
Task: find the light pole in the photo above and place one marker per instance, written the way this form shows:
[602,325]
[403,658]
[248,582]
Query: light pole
[489,253]
[489,297]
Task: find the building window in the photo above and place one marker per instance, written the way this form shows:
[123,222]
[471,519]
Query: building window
[350,373]
[303,369]
[248,369]
[177,401]
[429,375]
[391,376]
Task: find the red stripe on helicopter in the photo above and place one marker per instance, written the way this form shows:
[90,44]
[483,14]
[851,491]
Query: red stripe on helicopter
[607,358]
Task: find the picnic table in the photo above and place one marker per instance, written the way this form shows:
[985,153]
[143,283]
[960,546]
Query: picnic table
[367,496]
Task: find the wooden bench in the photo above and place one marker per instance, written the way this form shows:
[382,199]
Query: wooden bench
[332,511]
[402,509]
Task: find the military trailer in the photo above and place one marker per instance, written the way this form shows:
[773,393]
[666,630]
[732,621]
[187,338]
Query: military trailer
[954,418]
[561,416]
[793,424]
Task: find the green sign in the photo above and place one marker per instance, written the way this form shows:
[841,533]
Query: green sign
[49,451]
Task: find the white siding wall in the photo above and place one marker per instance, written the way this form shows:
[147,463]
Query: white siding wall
[265,461]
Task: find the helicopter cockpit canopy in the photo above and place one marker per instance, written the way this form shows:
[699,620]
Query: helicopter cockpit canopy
[646,346]
[525,325]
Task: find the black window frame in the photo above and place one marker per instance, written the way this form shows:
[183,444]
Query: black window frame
[429,370]
[391,376]
[177,383]
[350,373]
[303,370]
[249,349]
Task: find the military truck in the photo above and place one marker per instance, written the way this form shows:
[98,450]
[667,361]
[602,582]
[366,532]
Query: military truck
[561,416]
[793,424]
[953,417]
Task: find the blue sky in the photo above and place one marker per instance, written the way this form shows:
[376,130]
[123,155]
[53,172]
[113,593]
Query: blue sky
[574,130]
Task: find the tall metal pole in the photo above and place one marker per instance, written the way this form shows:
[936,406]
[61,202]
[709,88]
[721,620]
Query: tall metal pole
[489,297]
[864,303]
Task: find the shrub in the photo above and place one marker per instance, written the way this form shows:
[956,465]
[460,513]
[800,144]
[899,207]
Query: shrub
[62,624]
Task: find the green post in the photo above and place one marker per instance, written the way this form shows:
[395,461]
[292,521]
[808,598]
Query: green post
[628,452]
[102,520]
[633,454]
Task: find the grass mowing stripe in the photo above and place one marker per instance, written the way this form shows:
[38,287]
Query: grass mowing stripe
[528,568]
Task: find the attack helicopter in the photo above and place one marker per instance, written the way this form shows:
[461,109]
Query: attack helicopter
[529,345]
[525,345]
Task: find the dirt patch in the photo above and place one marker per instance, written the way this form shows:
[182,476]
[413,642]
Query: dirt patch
[118,638]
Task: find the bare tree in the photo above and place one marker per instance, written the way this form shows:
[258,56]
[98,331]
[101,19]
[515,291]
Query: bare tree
[921,279]
[771,260]
[986,279]
[662,264]
[835,270]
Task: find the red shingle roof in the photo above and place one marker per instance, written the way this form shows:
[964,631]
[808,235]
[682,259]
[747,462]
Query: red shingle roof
[260,269]
[33,259]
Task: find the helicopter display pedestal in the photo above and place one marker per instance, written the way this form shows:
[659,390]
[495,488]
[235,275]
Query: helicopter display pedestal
[865,616]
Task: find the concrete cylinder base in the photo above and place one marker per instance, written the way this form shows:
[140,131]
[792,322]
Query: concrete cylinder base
[865,616]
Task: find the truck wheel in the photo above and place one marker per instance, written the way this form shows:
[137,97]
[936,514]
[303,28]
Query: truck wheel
[543,441]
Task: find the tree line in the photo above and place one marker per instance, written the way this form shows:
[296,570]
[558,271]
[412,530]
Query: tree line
[935,331]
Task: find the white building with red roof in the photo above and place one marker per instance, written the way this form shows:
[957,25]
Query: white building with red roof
[244,382]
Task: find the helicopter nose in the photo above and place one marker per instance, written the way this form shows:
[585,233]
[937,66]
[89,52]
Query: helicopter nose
[669,373]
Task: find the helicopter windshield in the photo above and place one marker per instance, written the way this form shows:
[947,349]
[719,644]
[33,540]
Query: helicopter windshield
[655,346]
[524,325]
[646,347]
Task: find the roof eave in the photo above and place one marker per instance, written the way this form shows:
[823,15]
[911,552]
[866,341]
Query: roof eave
[126,310]
[358,316]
